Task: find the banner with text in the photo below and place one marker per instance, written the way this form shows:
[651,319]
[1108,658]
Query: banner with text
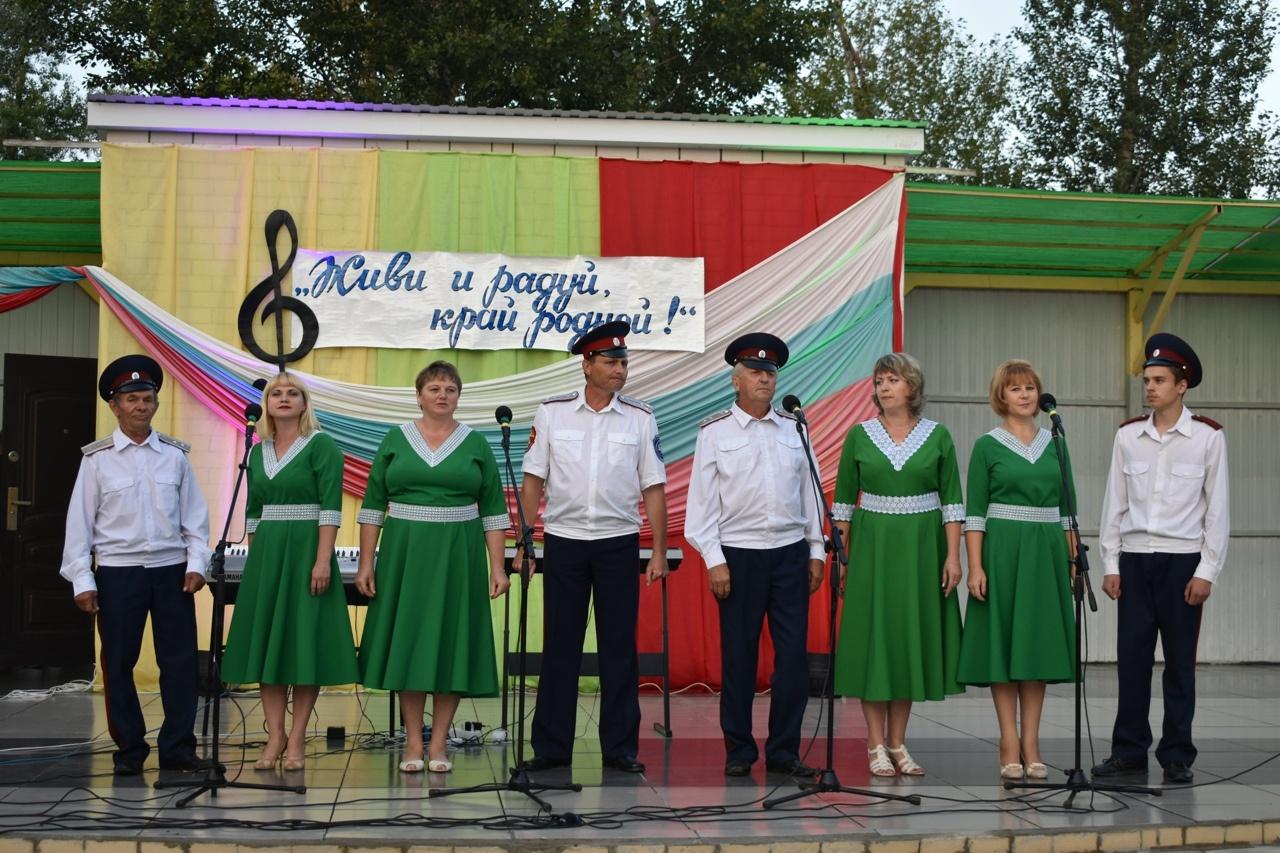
[435,300]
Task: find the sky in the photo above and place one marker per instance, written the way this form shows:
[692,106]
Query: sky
[988,18]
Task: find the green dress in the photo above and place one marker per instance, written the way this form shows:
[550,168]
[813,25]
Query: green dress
[899,635]
[281,633]
[429,626]
[1025,630]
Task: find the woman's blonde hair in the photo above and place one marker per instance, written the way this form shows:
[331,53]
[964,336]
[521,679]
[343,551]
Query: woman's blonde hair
[307,424]
[1006,374]
[906,368]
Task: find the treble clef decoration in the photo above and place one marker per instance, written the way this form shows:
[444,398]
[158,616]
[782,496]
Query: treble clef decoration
[278,303]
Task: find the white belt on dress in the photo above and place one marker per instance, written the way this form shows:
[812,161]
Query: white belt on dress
[295,512]
[1016,512]
[433,514]
[900,505]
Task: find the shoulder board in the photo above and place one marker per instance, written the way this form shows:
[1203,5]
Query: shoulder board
[176,442]
[639,404]
[783,413]
[1206,421]
[94,446]
[562,398]
[710,419]
[1139,419]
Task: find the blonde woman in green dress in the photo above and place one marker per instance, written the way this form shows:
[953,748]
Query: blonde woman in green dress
[290,625]
[898,504]
[435,498]
[1019,631]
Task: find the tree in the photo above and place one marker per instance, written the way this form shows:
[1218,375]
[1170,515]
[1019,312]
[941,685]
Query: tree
[909,60]
[37,100]
[678,55]
[1143,96]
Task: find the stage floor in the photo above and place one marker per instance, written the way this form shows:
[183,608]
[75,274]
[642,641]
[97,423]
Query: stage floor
[355,793]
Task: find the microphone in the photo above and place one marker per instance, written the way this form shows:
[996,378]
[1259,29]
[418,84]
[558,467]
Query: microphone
[1049,405]
[502,415]
[791,403]
[252,413]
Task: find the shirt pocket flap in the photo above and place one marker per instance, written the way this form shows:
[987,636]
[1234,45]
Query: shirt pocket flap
[789,439]
[569,435]
[624,438]
[732,443]
[117,484]
[1134,469]
[1184,470]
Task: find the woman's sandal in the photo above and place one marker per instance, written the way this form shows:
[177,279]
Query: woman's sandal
[412,765]
[902,759]
[440,765]
[878,758]
[291,763]
[268,762]
[1037,770]
[1011,771]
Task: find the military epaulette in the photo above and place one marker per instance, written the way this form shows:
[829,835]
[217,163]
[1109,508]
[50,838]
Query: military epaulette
[639,404]
[710,419]
[176,442]
[783,413]
[94,446]
[1138,419]
[562,398]
[1206,421]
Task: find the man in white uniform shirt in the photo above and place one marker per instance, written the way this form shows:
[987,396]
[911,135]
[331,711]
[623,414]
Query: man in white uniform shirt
[136,509]
[597,455]
[1163,541]
[752,516]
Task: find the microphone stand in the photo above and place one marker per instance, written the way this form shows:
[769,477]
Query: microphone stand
[1077,781]
[215,778]
[827,781]
[519,781]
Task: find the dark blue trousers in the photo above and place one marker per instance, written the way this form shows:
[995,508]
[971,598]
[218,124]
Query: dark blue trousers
[771,582]
[1151,602]
[574,572]
[126,595]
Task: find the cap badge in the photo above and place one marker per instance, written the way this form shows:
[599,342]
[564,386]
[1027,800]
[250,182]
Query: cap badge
[617,342]
[761,353]
[135,375]
[1155,352]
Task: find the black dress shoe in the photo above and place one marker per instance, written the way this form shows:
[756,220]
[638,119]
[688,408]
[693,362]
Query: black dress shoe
[795,767]
[1118,767]
[189,764]
[625,764]
[1178,774]
[737,768]
[539,763]
[128,768]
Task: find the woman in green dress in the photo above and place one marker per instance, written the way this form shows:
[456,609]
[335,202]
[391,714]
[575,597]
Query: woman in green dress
[899,489]
[290,625]
[436,498]
[1019,632]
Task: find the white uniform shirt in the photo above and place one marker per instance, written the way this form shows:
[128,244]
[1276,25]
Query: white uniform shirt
[1167,494]
[750,487]
[595,464]
[134,505]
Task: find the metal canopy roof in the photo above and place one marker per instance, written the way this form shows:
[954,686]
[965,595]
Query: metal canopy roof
[49,208]
[974,230]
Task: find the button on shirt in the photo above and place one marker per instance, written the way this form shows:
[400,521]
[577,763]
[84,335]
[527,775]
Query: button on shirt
[595,465]
[750,487]
[1167,494]
[134,505]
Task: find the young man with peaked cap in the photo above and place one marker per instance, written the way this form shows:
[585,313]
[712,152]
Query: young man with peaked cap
[1163,539]
[137,510]
[752,516]
[597,455]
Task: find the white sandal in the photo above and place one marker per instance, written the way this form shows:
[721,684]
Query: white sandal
[440,765]
[413,765]
[878,758]
[1011,771]
[1037,770]
[902,759]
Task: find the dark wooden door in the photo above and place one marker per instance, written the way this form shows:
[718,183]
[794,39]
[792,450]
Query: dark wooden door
[48,415]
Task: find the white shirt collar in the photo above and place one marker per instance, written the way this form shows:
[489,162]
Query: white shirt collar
[1183,425]
[119,441]
[743,418]
[614,403]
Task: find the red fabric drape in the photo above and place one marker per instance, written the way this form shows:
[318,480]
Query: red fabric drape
[734,216]
[12,301]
